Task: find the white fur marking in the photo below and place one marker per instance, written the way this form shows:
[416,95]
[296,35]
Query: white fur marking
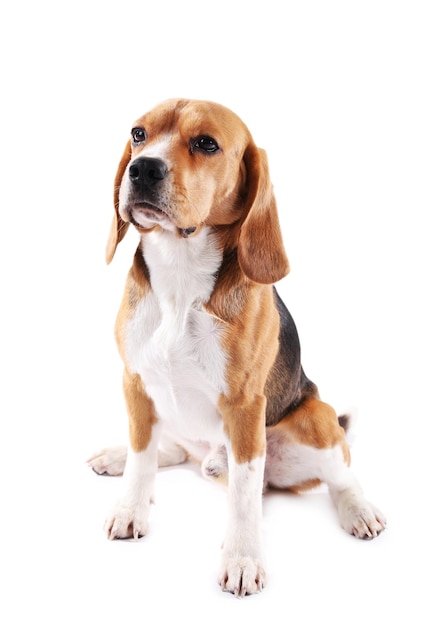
[242,570]
[129,517]
[292,464]
[173,343]
[156,150]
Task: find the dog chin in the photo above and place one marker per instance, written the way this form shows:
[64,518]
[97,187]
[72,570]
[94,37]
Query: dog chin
[145,217]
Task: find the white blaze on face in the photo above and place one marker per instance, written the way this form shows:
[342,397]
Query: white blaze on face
[156,150]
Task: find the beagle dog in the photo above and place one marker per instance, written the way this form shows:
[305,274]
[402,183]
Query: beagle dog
[211,354]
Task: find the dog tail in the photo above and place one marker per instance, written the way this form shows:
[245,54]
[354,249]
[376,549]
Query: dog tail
[347,421]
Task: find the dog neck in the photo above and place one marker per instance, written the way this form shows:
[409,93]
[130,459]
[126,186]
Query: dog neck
[182,272]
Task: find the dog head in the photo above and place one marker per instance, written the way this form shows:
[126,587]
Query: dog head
[191,164]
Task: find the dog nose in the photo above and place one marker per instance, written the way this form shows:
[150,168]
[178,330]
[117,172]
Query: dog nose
[145,171]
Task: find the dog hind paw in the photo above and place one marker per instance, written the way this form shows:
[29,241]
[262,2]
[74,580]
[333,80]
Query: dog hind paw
[363,520]
[215,464]
[109,461]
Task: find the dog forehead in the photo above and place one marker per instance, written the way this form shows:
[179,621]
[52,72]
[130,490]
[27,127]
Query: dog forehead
[191,118]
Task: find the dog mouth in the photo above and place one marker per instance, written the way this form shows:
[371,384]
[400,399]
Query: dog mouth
[146,214]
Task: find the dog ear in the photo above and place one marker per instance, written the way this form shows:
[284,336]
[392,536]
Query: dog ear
[261,253]
[119,227]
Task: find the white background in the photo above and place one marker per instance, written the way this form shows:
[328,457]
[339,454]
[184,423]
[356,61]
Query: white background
[340,94]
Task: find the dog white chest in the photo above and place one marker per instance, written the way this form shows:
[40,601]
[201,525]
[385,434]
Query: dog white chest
[172,342]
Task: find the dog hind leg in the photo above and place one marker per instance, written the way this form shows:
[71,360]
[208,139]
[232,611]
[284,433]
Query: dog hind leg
[308,447]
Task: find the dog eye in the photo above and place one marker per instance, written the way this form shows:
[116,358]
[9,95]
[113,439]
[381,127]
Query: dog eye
[205,144]
[138,135]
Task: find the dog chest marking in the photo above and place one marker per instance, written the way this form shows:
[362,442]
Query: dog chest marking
[172,342]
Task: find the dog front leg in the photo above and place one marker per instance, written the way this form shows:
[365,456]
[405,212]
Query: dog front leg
[129,517]
[242,569]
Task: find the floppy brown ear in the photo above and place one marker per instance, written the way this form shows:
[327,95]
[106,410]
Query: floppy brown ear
[118,227]
[261,253]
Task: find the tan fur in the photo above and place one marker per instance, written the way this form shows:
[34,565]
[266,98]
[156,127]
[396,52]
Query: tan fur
[141,412]
[220,192]
[137,285]
[119,227]
[315,423]
[251,344]
[260,248]
[180,187]
[242,209]
[140,407]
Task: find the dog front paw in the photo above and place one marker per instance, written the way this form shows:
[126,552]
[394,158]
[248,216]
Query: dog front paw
[242,576]
[126,522]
